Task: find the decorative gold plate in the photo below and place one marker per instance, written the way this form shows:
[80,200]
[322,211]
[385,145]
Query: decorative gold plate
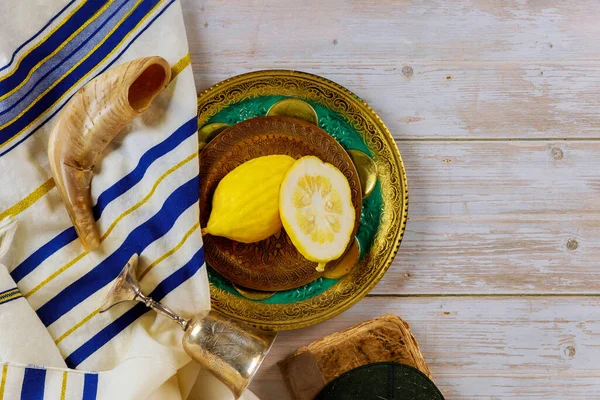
[355,126]
[272,264]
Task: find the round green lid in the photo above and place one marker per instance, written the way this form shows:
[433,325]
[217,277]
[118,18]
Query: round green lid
[381,381]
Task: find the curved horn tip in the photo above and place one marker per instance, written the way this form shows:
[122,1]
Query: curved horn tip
[91,244]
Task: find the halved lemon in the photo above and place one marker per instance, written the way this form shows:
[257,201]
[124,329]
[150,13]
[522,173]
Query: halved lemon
[316,209]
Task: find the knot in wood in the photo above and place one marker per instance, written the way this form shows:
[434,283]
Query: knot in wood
[557,153]
[572,244]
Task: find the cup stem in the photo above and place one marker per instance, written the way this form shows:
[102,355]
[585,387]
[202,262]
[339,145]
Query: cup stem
[162,309]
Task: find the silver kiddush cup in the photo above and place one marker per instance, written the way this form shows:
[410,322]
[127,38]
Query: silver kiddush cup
[230,350]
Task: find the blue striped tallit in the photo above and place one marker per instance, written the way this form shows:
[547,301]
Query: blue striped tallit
[40,79]
[146,201]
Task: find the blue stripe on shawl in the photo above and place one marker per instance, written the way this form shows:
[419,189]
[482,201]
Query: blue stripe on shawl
[165,287]
[139,239]
[119,188]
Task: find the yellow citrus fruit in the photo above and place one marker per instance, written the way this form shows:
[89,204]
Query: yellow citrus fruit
[245,206]
[316,209]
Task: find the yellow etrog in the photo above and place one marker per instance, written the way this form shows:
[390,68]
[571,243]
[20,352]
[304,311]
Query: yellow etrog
[245,206]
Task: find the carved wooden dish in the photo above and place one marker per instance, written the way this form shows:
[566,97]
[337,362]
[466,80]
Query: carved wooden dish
[272,264]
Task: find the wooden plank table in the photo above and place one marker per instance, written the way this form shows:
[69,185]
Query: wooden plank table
[494,106]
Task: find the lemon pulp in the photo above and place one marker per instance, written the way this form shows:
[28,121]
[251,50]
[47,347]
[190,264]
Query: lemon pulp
[316,209]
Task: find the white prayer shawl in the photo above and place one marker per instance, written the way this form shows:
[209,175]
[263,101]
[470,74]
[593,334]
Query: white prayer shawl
[53,342]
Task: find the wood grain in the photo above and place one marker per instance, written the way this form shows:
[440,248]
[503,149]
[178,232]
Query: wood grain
[480,347]
[438,69]
[499,217]
[457,101]
[494,105]
[288,31]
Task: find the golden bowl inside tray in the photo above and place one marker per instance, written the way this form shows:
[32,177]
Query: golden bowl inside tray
[273,264]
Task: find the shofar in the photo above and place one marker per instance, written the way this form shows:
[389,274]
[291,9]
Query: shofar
[386,338]
[89,122]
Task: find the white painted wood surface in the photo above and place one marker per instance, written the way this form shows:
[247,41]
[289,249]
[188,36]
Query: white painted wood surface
[495,109]
[474,69]
[480,347]
[500,217]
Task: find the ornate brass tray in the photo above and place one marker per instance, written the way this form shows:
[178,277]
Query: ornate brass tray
[274,263]
[354,125]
